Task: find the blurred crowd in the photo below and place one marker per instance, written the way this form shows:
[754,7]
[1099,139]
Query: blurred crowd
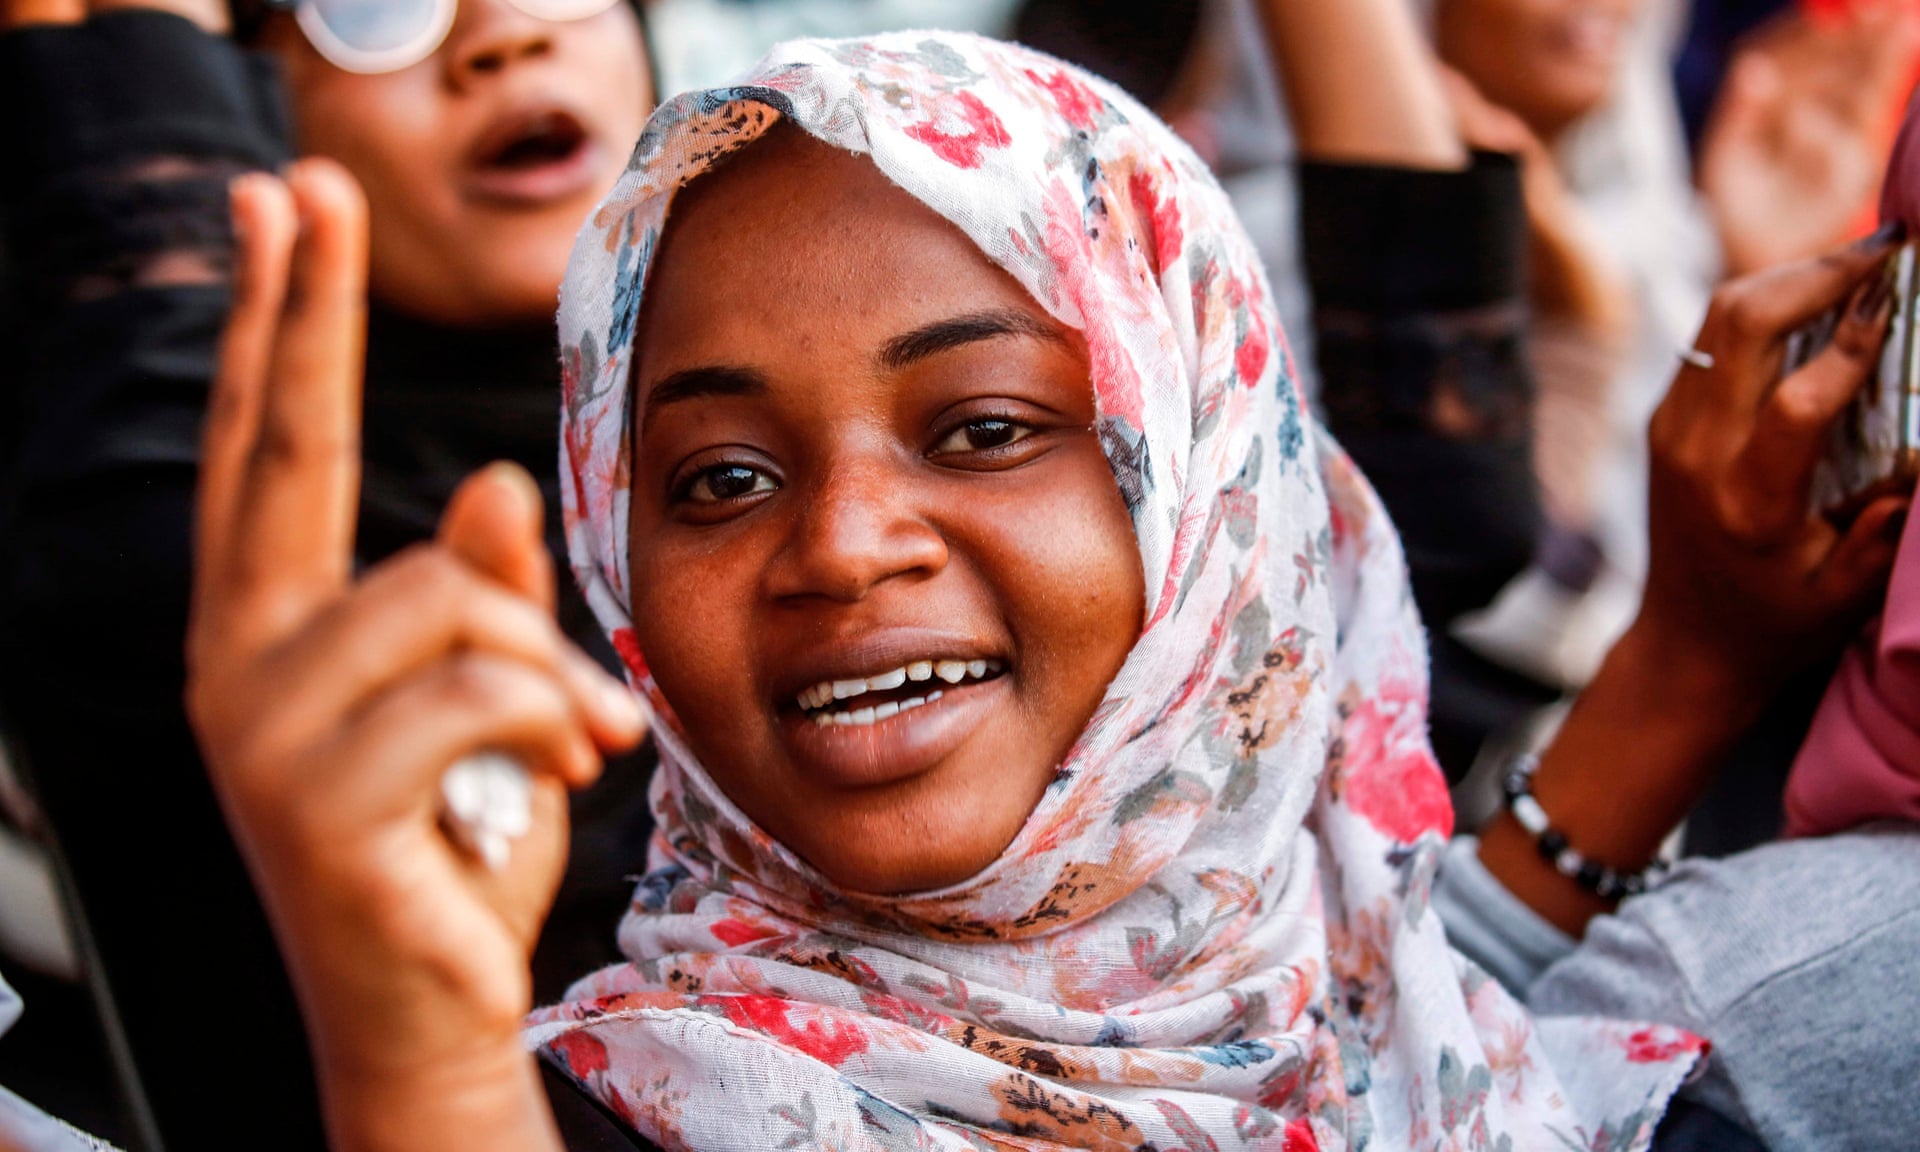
[1489,269]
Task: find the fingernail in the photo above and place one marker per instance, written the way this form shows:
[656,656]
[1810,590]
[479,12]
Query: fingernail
[1873,299]
[622,707]
[238,189]
[1892,232]
[520,480]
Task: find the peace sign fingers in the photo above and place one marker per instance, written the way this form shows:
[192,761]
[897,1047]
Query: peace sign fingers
[280,469]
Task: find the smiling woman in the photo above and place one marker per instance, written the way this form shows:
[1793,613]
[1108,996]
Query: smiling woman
[927,364]
[887,507]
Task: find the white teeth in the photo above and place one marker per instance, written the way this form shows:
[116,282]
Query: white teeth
[819,696]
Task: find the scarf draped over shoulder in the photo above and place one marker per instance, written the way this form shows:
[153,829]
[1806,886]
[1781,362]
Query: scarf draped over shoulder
[1212,934]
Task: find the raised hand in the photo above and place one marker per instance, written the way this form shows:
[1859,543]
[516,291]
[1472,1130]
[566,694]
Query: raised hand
[329,707]
[1739,565]
[1745,585]
[1795,150]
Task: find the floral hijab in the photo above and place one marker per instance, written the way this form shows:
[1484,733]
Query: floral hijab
[1212,933]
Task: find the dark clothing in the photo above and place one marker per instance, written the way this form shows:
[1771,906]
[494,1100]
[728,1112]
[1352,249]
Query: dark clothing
[1714,31]
[1419,291]
[1419,284]
[122,135]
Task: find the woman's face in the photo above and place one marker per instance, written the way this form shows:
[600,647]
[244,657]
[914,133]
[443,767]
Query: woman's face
[481,161]
[1550,62]
[866,469]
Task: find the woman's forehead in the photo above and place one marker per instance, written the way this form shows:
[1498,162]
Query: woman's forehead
[795,246]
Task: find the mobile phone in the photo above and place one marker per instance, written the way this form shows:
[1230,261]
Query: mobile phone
[1875,444]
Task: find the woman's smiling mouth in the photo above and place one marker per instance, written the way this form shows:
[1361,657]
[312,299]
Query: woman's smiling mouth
[861,731]
[863,701]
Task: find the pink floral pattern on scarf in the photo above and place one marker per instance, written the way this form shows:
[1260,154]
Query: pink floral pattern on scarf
[1203,938]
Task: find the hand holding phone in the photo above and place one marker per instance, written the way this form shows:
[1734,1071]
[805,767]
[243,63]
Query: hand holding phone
[1874,447]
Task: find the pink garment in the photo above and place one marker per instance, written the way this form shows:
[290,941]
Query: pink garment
[1861,761]
[1900,195]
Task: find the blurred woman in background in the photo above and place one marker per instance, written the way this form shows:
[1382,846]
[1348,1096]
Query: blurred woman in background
[483,132]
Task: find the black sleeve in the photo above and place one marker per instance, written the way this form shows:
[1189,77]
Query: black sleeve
[120,136]
[1419,282]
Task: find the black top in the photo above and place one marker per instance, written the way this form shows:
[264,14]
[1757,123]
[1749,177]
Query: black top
[1419,282]
[122,134]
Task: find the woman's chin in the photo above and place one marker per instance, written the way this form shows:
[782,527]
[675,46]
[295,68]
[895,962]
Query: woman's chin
[920,844]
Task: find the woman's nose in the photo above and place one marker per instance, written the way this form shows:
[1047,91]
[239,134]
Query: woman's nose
[489,36]
[858,530]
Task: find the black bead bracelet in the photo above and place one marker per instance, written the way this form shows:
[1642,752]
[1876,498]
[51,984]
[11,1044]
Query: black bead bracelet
[1552,845]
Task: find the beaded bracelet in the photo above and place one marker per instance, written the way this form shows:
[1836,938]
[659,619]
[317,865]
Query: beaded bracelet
[1592,875]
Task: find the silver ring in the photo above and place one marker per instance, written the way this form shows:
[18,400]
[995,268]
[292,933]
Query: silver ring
[1701,360]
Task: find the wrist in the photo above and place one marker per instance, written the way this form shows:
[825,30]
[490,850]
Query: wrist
[1686,681]
[486,1098]
[1640,746]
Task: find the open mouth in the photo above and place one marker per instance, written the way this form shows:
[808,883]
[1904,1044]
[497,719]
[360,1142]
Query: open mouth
[869,700]
[541,154]
[545,138]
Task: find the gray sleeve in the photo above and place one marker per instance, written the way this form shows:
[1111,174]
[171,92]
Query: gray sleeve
[1489,925]
[1623,969]
[1620,970]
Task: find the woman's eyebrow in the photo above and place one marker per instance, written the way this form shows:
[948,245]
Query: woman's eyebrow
[708,380]
[944,335]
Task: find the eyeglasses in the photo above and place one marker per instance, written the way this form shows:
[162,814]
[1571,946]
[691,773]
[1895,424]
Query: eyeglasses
[388,35]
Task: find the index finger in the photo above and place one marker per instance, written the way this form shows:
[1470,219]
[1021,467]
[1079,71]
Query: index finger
[1754,314]
[291,534]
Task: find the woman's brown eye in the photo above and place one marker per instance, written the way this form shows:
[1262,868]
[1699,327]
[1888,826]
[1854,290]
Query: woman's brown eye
[728,482]
[982,435]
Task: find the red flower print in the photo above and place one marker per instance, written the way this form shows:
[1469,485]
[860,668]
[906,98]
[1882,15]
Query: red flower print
[1300,1137]
[1116,385]
[583,1052]
[734,933]
[960,130]
[1250,356]
[1250,359]
[1164,218]
[1077,102]
[628,646]
[1390,777]
[1659,1045]
[824,1040]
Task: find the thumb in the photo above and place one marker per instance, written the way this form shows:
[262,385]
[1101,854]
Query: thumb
[494,523]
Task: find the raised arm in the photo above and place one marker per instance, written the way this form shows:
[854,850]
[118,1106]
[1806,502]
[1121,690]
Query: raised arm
[1361,83]
[1745,586]
[329,708]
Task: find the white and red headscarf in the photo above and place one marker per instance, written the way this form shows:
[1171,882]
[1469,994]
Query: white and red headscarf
[1212,933]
